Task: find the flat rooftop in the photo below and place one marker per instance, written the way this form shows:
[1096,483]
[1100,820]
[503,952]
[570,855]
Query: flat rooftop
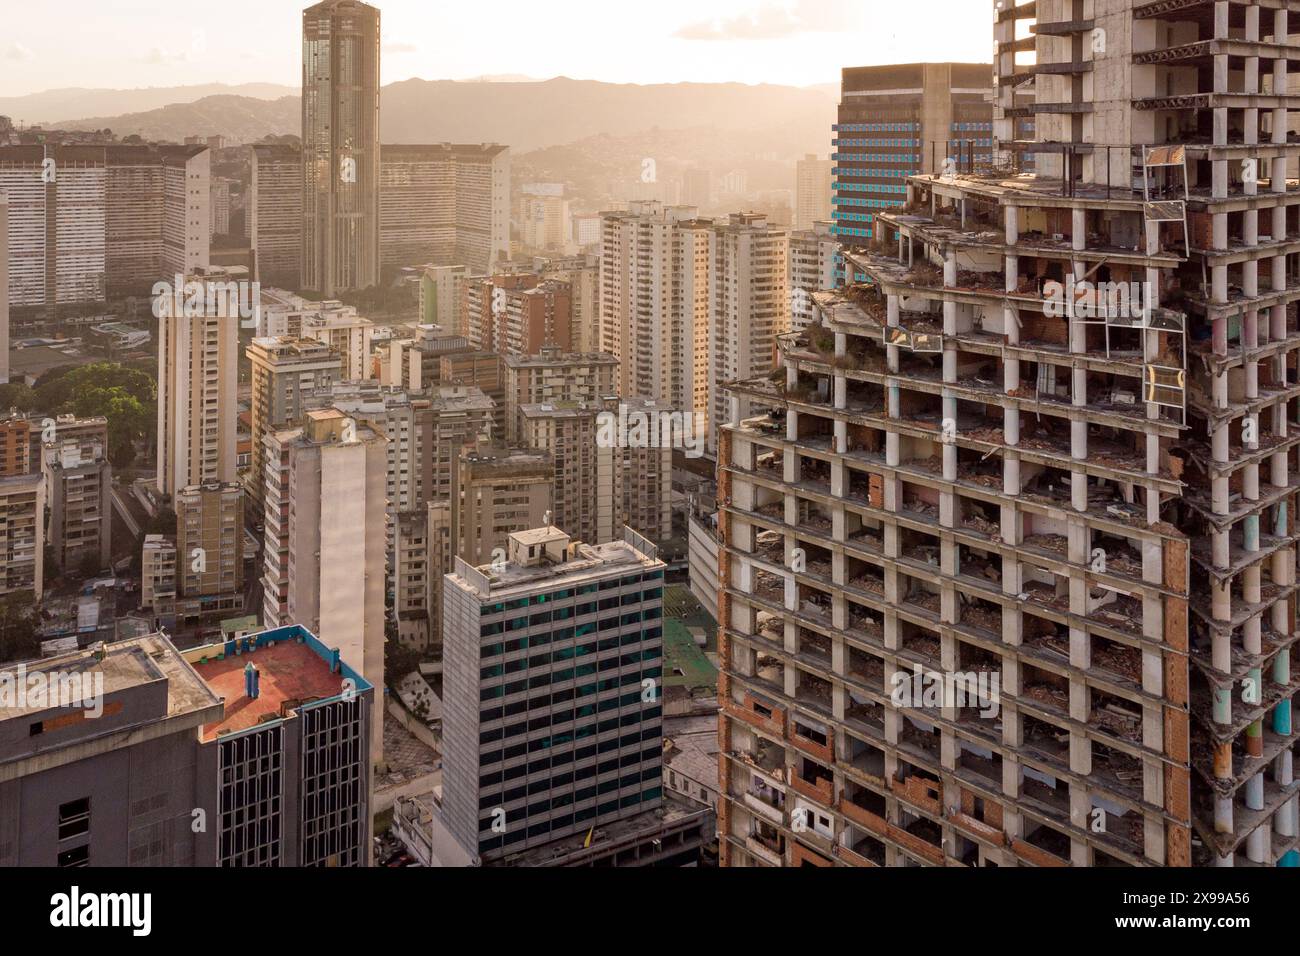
[592,561]
[126,664]
[291,674]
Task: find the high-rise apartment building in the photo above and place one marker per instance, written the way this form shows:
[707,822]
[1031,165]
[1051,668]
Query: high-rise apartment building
[22,534]
[582,273]
[348,334]
[85,437]
[498,491]
[264,738]
[446,205]
[896,121]
[587,490]
[198,369]
[543,217]
[274,211]
[326,538]
[598,611]
[403,420]
[158,576]
[654,302]
[209,551]
[57,229]
[15,446]
[442,297]
[813,189]
[749,305]
[78,490]
[485,371]
[219,216]
[340,134]
[413,569]
[158,208]
[960,547]
[813,257]
[518,313]
[416,364]
[554,376]
[613,463]
[4,288]
[284,371]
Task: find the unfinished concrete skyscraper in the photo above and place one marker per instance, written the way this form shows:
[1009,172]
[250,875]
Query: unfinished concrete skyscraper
[1007,569]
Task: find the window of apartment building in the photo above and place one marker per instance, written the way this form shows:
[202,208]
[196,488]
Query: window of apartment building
[74,818]
[77,856]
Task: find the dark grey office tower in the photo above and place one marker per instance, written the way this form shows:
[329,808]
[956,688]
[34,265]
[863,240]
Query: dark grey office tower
[340,146]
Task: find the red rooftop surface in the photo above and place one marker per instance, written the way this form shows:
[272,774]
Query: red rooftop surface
[289,672]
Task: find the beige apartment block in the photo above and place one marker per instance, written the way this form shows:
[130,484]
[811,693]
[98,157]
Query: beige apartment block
[198,371]
[555,376]
[209,551]
[655,302]
[22,534]
[79,489]
[327,537]
[749,304]
[285,372]
[498,491]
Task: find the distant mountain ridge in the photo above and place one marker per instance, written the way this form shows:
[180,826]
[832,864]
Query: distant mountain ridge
[525,115]
[51,106]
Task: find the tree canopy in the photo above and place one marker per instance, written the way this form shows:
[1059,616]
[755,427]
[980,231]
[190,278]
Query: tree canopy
[125,396]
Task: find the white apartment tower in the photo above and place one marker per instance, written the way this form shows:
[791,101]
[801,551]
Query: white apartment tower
[814,187]
[812,270]
[749,305]
[4,289]
[198,370]
[654,302]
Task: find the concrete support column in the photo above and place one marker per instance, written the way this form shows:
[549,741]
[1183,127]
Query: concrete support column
[1079,229]
[1219,226]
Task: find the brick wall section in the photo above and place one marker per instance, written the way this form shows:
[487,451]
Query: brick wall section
[813,749]
[800,855]
[1036,327]
[1200,230]
[821,792]
[863,818]
[1035,855]
[916,846]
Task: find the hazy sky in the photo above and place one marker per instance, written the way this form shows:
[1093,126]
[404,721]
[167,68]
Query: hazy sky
[139,43]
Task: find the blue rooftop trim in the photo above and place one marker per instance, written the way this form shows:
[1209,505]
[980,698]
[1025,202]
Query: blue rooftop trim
[293,632]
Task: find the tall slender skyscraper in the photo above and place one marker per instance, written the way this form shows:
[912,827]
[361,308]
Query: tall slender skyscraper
[198,370]
[340,146]
[4,289]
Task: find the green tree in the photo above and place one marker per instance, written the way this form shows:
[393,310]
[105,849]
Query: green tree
[17,395]
[125,396]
